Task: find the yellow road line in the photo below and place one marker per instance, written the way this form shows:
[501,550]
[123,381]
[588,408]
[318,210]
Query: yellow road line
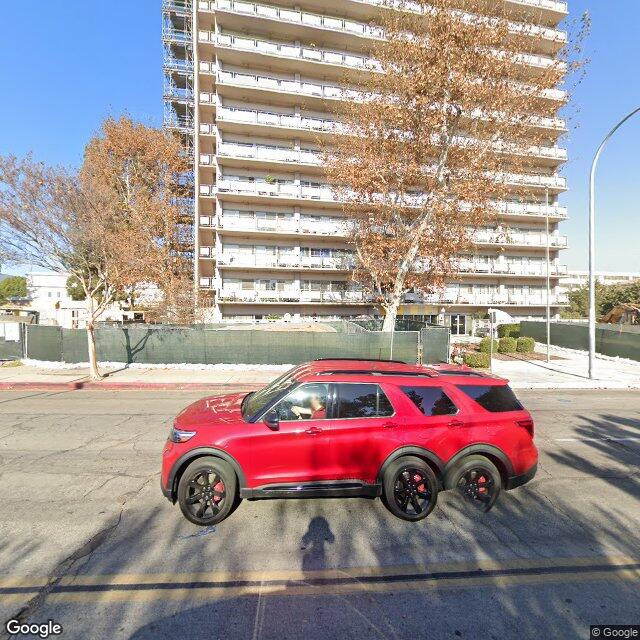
[211,585]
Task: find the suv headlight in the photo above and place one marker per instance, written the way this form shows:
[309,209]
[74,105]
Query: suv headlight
[178,435]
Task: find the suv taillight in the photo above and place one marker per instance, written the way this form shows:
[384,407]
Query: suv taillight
[526,424]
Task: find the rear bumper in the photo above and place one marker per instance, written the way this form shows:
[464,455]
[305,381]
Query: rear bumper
[518,481]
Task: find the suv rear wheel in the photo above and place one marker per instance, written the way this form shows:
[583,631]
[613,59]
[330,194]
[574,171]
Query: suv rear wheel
[208,491]
[477,479]
[410,488]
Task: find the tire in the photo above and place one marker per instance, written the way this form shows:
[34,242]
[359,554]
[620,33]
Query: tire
[409,488]
[477,479]
[208,491]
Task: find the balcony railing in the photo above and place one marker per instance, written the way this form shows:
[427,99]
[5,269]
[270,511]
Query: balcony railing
[325,193]
[292,121]
[274,226]
[328,91]
[483,300]
[513,269]
[337,263]
[289,295]
[286,50]
[273,153]
[525,239]
[351,27]
[329,56]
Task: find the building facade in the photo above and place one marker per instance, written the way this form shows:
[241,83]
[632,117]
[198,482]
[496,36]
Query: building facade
[250,87]
[574,279]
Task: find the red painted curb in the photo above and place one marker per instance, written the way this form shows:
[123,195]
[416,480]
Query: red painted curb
[125,386]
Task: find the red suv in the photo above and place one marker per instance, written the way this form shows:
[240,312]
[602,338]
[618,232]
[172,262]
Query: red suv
[342,428]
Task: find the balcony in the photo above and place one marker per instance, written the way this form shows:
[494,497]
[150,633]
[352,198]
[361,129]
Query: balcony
[506,238]
[270,153]
[537,270]
[308,54]
[342,59]
[324,194]
[554,37]
[302,18]
[291,295]
[486,299]
[273,119]
[261,225]
[282,261]
[332,91]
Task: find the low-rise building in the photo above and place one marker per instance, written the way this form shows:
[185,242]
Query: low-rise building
[574,279]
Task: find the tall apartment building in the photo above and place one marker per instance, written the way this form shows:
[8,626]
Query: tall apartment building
[250,86]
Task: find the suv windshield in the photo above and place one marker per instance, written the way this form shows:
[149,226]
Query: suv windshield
[255,402]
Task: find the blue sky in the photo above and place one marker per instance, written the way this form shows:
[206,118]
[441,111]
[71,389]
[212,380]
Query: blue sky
[67,65]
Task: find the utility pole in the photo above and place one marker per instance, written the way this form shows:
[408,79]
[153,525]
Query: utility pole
[548,278]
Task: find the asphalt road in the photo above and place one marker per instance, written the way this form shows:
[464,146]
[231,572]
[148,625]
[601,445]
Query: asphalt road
[87,540]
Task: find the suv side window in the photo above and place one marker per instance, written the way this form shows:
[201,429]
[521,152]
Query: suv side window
[361,401]
[432,401]
[495,398]
[306,402]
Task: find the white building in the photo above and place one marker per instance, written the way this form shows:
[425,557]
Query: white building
[577,278]
[250,85]
[49,297]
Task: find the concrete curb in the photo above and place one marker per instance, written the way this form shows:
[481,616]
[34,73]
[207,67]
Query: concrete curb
[78,385]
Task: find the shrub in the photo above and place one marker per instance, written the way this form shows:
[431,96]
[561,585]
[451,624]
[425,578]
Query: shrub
[477,360]
[507,345]
[525,345]
[485,345]
[509,330]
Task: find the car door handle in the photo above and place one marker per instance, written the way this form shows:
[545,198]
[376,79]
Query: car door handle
[456,424]
[389,425]
[313,431]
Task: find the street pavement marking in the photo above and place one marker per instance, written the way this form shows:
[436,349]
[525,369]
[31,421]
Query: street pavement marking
[147,587]
[600,439]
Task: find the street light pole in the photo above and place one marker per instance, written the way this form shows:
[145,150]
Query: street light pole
[548,278]
[592,238]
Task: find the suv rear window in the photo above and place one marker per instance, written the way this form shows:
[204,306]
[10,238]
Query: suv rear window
[432,401]
[494,398]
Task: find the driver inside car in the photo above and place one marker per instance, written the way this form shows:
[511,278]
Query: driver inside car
[315,411]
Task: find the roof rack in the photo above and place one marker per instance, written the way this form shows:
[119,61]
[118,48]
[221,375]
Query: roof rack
[376,372]
[361,360]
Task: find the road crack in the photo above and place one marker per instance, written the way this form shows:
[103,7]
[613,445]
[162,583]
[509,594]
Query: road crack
[66,566]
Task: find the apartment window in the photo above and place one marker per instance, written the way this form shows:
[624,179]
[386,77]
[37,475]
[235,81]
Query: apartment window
[248,285]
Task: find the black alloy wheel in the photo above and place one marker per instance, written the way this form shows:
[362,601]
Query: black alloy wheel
[410,488]
[207,492]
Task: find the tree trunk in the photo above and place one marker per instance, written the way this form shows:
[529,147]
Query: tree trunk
[93,357]
[391,308]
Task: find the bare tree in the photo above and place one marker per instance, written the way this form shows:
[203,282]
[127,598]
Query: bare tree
[112,226]
[435,138]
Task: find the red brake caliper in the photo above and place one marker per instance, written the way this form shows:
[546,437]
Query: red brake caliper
[219,488]
[482,480]
[418,478]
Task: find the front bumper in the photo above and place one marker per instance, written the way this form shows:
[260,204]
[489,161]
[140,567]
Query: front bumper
[518,481]
[166,491]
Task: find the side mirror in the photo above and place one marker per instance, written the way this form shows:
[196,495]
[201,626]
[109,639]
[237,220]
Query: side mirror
[271,420]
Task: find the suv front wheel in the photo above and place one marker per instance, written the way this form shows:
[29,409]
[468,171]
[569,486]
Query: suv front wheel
[207,491]
[410,488]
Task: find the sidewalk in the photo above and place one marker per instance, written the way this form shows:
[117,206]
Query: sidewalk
[568,373]
[34,377]
[572,372]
